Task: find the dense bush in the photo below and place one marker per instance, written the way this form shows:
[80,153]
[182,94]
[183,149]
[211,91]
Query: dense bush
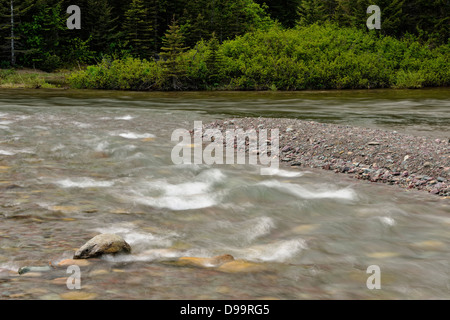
[311,57]
[127,74]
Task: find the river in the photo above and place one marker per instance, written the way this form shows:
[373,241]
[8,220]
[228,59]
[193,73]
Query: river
[77,163]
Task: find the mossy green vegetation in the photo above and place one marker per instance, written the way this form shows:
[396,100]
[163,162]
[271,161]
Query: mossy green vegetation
[323,56]
[29,79]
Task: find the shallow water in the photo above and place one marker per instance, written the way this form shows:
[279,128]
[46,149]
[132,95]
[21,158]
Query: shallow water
[77,163]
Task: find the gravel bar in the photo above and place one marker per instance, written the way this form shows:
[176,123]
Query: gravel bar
[375,155]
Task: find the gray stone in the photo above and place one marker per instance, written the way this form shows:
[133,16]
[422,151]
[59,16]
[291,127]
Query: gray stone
[102,244]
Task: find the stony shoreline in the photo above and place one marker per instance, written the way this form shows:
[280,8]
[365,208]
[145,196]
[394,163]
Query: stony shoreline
[376,155]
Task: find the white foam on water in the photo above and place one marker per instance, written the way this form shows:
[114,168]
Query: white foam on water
[178,203]
[249,230]
[260,228]
[211,175]
[279,251]
[387,221]
[128,147]
[183,196]
[83,183]
[186,189]
[302,192]
[10,266]
[6,153]
[82,125]
[11,153]
[58,147]
[22,117]
[388,210]
[146,239]
[5,122]
[148,256]
[138,155]
[102,146]
[127,117]
[283,173]
[138,239]
[132,136]
[145,246]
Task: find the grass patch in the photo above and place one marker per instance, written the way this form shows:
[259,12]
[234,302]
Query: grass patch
[31,79]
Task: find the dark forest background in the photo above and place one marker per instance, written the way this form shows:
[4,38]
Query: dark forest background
[137,27]
[231,44]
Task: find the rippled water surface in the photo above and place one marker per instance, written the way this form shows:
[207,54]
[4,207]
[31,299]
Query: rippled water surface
[77,163]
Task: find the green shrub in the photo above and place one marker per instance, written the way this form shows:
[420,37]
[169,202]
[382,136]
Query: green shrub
[51,63]
[312,57]
[409,79]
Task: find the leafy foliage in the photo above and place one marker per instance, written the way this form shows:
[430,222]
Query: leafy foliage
[138,27]
[312,57]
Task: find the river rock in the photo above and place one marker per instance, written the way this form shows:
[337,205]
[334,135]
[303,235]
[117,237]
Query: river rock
[70,262]
[78,295]
[241,266]
[102,244]
[33,269]
[205,262]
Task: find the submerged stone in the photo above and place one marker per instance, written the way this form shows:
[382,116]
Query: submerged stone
[78,295]
[32,269]
[206,262]
[70,262]
[241,266]
[102,244]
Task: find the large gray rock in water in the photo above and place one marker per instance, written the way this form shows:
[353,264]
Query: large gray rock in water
[102,244]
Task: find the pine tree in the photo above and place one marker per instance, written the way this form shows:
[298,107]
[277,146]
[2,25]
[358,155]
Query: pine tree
[214,60]
[172,53]
[102,26]
[391,16]
[154,8]
[138,29]
[282,10]
[311,11]
[352,12]
[429,19]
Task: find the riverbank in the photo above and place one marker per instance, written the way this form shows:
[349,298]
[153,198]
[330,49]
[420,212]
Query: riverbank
[411,162]
[31,79]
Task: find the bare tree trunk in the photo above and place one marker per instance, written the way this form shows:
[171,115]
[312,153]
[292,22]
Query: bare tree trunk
[13,58]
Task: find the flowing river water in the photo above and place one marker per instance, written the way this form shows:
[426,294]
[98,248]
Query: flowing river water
[77,163]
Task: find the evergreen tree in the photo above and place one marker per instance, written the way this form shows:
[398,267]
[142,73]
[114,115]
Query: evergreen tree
[172,53]
[214,60]
[428,19]
[391,16]
[101,23]
[311,11]
[282,10]
[227,18]
[138,29]
[154,9]
[352,13]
